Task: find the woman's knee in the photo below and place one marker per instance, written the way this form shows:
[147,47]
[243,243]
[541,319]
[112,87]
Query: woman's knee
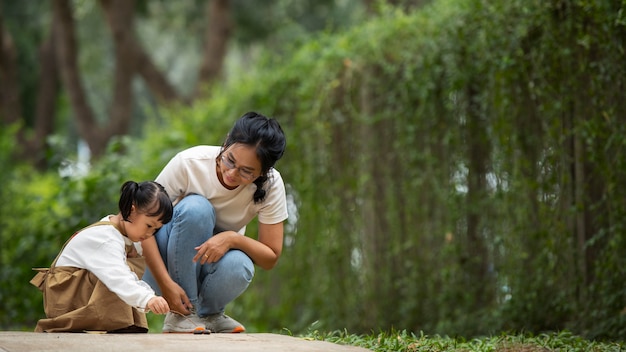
[240,265]
[195,208]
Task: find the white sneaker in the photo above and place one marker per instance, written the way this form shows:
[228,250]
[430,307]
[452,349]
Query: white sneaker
[222,323]
[177,323]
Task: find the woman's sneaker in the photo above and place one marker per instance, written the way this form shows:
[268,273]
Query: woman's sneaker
[222,323]
[176,323]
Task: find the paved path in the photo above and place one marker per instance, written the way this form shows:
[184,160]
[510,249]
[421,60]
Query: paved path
[18,341]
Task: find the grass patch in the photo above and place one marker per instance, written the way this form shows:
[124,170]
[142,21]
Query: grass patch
[409,342]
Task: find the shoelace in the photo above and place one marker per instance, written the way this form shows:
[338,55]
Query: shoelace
[198,330]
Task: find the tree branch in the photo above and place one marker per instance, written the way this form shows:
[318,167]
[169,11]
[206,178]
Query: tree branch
[47,91]
[119,15]
[70,74]
[155,80]
[217,36]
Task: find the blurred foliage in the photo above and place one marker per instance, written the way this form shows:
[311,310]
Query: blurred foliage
[430,161]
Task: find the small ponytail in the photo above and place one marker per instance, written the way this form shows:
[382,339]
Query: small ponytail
[259,194]
[148,197]
[127,198]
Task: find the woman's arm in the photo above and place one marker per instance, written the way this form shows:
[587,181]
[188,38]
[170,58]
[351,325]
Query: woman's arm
[171,291]
[264,252]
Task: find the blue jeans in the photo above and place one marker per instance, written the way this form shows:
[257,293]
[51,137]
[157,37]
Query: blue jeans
[209,286]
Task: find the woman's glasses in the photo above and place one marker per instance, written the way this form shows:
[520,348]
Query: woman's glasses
[245,174]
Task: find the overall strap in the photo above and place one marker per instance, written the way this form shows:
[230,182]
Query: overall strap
[76,233]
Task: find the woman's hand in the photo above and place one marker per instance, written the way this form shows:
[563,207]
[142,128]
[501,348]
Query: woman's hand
[172,292]
[176,298]
[214,248]
[158,305]
[264,252]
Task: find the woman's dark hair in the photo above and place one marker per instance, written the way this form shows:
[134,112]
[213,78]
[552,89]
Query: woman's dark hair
[266,136]
[148,197]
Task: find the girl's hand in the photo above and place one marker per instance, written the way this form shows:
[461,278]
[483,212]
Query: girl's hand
[133,253]
[158,305]
[214,248]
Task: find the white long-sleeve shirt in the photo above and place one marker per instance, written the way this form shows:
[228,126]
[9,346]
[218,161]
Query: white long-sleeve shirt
[102,250]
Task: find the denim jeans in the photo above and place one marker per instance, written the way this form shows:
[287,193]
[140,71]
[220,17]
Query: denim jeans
[209,286]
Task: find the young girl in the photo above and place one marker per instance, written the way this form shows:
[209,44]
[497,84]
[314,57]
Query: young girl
[93,284]
[201,261]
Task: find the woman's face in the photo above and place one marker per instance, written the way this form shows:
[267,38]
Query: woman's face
[238,165]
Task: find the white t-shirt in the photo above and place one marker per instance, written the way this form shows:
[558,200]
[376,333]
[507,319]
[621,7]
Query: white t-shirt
[102,250]
[194,171]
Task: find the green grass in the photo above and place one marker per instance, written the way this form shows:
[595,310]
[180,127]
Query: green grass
[404,341]
[408,342]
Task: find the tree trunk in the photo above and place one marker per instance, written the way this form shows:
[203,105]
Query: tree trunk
[10,109]
[47,92]
[130,58]
[119,14]
[155,80]
[579,192]
[218,34]
[32,144]
[478,154]
[71,77]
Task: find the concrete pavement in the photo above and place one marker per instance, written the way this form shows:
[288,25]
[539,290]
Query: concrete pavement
[19,341]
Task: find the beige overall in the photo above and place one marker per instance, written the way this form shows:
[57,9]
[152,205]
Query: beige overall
[75,300]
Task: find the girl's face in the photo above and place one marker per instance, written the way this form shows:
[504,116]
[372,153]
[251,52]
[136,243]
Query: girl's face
[141,226]
[238,165]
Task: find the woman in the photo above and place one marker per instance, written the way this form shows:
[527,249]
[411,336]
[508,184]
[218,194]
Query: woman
[202,260]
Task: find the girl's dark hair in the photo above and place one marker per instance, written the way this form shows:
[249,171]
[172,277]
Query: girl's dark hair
[148,197]
[266,136]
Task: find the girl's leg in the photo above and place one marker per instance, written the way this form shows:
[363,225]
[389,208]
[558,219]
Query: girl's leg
[192,224]
[223,281]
